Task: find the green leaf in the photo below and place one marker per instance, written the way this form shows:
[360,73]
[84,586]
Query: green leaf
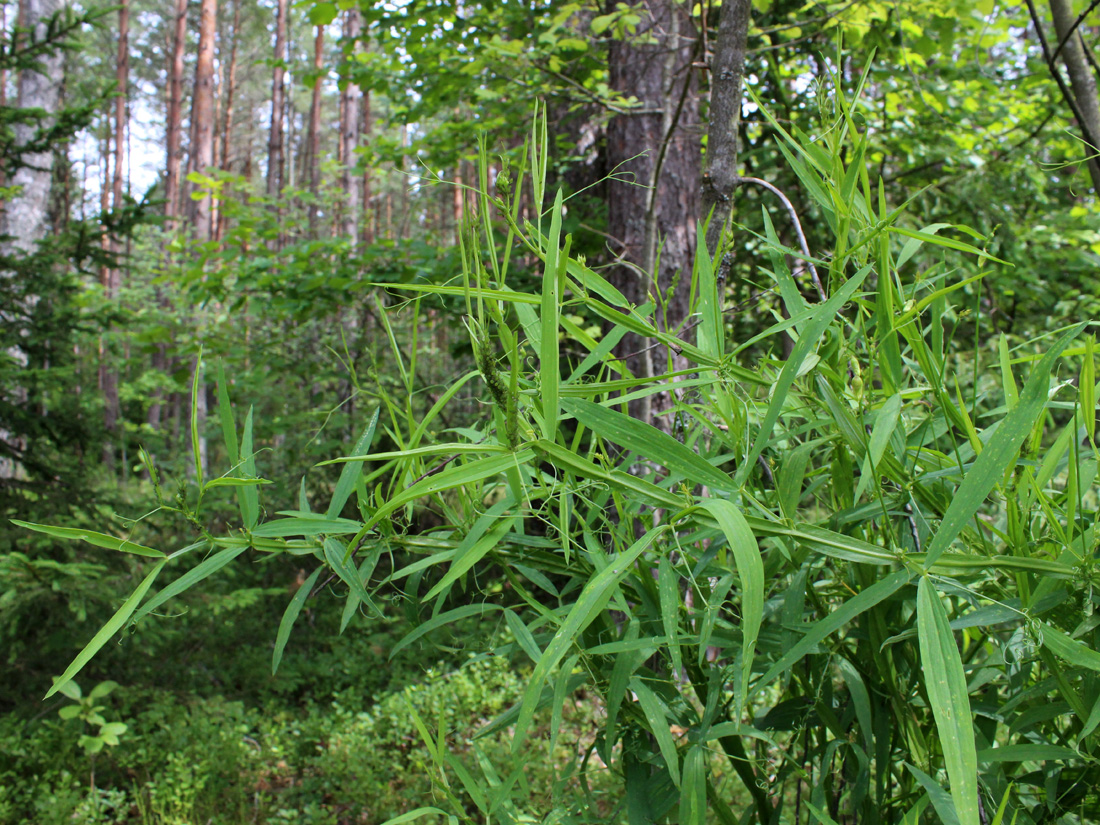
[945,682]
[442,620]
[113,625]
[200,571]
[549,357]
[447,480]
[1071,650]
[807,340]
[229,481]
[92,537]
[290,616]
[487,533]
[593,599]
[1027,753]
[283,527]
[750,569]
[647,441]
[825,627]
[349,474]
[656,713]
[103,689]
[1000,452]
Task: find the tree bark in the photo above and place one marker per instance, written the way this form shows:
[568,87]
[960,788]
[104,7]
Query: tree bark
[26,213]
[653,196]
[726,75]
[275,136]
[174,120]
[1082,81]
[350,137]
[230,98]
[368,211]
[202,112]
[113,273]
[314,136]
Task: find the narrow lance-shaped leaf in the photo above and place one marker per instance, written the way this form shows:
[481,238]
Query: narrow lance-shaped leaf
[92,537]
[945,682]
[750,569]
[291,616]
[207,567]
[647,441]
[113,625]
[808,338]
[593,599]
[549,367]
[350,472]
[1000,451]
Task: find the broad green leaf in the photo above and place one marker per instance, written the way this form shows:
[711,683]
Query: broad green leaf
[335,553]
[1027,753]
[1000,452]
[486,533]
[1073,651]
[945,682]
[693,786]
[92,537]
[885,423]
[941,800]
[113,625]
[448,479]
[290,616]
[669,596]
[229,481]
[283,527]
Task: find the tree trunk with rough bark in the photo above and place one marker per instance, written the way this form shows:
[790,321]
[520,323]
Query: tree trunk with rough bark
[202,112]
[655,154]
[726,75]
[1082,81]
[314,136]
[27,212]
[275,136]
[350,137]
[113,274]
[174,119]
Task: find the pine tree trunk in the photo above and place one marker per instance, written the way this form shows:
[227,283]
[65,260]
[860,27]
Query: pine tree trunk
[202,127]
[113,274]
[202,112]
[350,137]
[368,211]
[227,126]
[174,137]
[275,136]
[314,137]
[660,209]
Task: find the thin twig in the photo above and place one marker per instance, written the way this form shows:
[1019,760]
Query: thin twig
[797,228]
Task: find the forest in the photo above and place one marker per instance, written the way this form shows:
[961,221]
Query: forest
[549,411]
